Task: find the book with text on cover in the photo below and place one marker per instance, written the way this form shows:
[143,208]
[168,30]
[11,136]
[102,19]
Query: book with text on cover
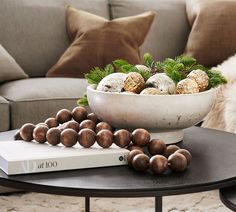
[20,157]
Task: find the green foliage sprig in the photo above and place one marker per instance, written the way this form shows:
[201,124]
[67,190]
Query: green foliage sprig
[97,74]
[178,69]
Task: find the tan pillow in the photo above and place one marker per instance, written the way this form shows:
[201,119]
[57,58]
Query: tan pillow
[97,41]
[213,35]
[9,69]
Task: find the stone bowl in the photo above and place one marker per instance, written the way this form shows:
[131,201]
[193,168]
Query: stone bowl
[164,116]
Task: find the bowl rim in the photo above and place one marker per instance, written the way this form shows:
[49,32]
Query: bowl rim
[92,88]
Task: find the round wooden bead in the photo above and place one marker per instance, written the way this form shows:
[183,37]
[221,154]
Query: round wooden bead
[103,126]
[156,147]
[79,114]
[69,137]
[122,138]
[186,153]
[132,147]
[170,150]
[158,164]
[53,136]
[87,137]
[17,135]
[131,155]
[87,124]
[104,138]
[140,162]
[93,117]
[26,131]
[51,122]
[42,123]
[63,116]
[39,133]
[72,125]
[177,162]
[140,137]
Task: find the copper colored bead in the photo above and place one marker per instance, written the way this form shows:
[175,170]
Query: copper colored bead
[93,117]
[72,125]
[132,147]
[79,114]
[186,153]
[69,137]
[122,138]
[17,135]
[42,124]
[177,162]
[140,137]
[88,124]
[53,136]
[51,122]
[156,147]
[26,131]
[86,138]
[131,155]
[63,116]
[103,126]
[158,164]
[39,133]
[170,150]
[104,138]
[140,162]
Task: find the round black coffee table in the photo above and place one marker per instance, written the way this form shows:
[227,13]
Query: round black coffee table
[212,167]
[228,197]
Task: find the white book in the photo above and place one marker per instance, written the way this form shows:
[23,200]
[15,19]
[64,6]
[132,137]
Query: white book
[20,157]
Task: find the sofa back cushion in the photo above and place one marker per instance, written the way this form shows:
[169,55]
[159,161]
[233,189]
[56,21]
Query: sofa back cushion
[9,69]
[97,42]
[169,32]
[34,31]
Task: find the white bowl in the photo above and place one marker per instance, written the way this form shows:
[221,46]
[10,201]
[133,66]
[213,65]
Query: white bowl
[165,116]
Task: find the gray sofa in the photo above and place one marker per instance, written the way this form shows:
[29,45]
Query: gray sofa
[34,33]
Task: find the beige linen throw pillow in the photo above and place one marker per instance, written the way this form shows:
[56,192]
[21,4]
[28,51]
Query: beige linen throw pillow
[213,35]
[96,41]
[9,69]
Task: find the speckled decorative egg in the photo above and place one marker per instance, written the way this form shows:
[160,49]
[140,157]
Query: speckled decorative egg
[187,86]
[143,68]
[134,82]
[161,81]
[150,91]
[200,77]
[112,83]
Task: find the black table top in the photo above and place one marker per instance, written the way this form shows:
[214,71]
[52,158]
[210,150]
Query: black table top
[228,197]
[212,167]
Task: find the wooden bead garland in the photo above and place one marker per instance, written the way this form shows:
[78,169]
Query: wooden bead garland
[70,128]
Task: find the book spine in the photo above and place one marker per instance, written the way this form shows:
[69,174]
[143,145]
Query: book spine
[67,163]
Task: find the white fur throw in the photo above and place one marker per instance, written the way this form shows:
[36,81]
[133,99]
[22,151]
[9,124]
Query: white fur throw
[223,113]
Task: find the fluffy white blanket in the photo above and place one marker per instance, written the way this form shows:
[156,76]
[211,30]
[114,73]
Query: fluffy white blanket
[223,113]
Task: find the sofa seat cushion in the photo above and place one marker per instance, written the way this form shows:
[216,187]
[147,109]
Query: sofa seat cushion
[169,32]
[36,99]
[5,115]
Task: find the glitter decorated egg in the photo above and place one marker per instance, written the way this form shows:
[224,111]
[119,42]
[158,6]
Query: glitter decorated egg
[112,83]
[134,82]
[200,77]
[187,86]
[161,81]
[150,91]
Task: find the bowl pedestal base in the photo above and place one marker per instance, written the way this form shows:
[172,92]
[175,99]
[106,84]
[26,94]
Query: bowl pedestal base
[169,136]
